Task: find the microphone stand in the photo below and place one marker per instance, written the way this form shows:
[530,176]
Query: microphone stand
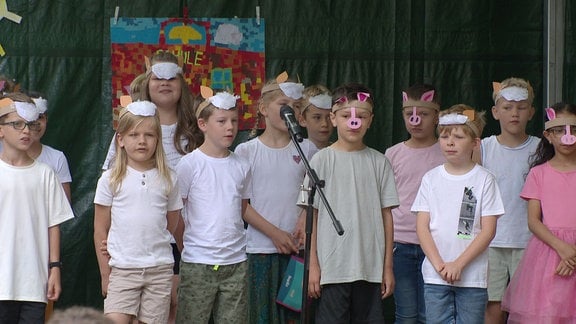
[315,185]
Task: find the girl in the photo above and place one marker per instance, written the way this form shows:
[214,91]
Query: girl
[315,105]
[277,173]
[137,205]
[215,184]
[543,288]
[165,86]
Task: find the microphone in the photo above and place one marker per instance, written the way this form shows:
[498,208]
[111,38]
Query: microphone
[287,114]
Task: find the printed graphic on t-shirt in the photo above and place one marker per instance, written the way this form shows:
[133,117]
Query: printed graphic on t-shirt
[467,211]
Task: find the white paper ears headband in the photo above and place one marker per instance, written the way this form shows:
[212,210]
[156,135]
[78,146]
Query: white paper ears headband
[322,101]
[426,101]
[26,110]
[221,100]
[164,70]
[568,138]
[513,93]
[142,108]
[290,89]
[464,118]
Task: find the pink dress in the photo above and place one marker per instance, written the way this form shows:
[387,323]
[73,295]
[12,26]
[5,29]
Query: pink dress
[535,293]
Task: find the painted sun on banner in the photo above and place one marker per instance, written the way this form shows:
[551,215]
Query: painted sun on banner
[222,53]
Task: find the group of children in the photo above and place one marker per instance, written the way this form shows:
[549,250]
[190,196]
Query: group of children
[187,230]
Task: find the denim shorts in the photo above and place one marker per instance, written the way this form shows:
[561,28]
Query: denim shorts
[450,304]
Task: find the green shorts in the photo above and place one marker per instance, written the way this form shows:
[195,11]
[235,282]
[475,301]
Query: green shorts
[502,263]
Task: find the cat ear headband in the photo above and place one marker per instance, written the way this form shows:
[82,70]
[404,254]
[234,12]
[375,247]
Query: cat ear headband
[164,70]
[513,93]
[426,101]
[221,100]
[26,110]
[290,89]
[568,138]
[464,118]
[361,103]
[142,108]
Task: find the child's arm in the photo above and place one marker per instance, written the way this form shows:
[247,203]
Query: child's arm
[388,281]
[314,289]
[566,251]
[67,191]
[453,270]
[283,241]
[427,242]
[54,284]
[173,218]
[102,220]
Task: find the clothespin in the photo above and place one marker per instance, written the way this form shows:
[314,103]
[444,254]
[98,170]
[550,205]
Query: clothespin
[116,12]
[258,15]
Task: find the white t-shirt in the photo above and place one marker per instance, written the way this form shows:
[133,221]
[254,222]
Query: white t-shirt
[138,235]
[455,204]
[172,155]
[214,188]
[55,159]
[357,186]
[31,201]
[510,165]
[410,165]
[277,174]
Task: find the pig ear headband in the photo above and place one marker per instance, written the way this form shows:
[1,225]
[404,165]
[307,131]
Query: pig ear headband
[221,100]
[26,110]
[361,103]
[513,93]
[465,118]
[426,101]
[142,108]
[568,138]
[290,89]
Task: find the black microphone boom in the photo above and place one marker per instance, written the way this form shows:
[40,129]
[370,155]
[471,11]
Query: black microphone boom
[287,114]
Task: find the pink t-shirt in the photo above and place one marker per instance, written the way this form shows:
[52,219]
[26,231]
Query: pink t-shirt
[409,166]
[556,191]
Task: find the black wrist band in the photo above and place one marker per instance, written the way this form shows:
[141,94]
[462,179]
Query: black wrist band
[57,264]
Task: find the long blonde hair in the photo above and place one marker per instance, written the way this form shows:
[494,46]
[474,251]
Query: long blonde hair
[126,123]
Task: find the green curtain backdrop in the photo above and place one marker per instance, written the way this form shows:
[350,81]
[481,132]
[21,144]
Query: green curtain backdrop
[62,49]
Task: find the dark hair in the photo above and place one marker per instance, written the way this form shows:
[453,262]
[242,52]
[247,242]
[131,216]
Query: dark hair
[350,91]
[545,151]
[416,91]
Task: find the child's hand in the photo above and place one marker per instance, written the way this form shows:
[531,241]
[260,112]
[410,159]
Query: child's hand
[564,269]
[314,290]
[567,253]
[104,249]
[54,287]
[104,280]
[388,283]
[284,242]
[451,272]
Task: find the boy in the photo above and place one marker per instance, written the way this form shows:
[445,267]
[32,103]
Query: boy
[314,114]
[512,109]
[410,160]
[32,205]
[350,274]
[457,207]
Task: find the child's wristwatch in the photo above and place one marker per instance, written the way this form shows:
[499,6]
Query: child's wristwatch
[55,264]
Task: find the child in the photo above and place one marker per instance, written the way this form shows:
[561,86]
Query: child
[166,87]
[277,173]
[350,274]
[215,184]
[410,160]
[457,207]
[137,205]
[543,288]
[314,114]
[512,147]
[32,205]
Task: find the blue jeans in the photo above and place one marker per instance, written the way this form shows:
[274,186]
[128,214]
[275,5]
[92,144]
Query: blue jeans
[409,289]
[460,305]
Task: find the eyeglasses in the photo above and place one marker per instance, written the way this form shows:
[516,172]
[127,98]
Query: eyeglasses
[20,125]
[561,130]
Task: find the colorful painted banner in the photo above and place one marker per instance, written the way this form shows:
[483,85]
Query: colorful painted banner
[222,53]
